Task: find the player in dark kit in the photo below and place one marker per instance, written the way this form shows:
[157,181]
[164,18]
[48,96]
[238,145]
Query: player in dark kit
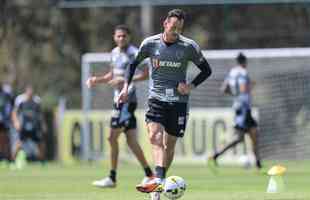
[27,119]
[239,85]
[167,113]
[5,121]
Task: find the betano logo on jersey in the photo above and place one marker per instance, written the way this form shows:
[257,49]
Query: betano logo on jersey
[163,63]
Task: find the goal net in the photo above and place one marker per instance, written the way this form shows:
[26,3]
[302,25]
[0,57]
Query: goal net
[281,98]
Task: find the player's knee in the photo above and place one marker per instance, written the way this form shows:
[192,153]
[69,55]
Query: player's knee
[112,139]
[156,139]
[253,131]
[155,134]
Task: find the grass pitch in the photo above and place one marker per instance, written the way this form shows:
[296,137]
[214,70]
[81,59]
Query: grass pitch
[58,182]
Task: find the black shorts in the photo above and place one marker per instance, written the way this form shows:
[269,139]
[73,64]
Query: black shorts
[4,127]
[171,115]
[33,135]
[244,120]
[124,116]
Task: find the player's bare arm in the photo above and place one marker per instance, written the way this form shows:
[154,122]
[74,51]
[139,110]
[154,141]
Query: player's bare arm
[243,88]
[15,120]
[225,89]
[123,96]
[94,80]
[116,81]
[141,76]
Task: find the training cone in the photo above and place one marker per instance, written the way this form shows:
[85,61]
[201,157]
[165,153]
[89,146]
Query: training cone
[276,182]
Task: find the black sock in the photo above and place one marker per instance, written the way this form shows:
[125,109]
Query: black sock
[160,172]
[229,146]
[42,161]
[148,172]
[258,164]
[113,175]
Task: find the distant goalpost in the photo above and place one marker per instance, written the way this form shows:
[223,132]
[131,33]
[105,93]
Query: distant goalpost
[281,96]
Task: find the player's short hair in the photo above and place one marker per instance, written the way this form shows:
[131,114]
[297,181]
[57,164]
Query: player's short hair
[178,13]
[122,27]
[241,58]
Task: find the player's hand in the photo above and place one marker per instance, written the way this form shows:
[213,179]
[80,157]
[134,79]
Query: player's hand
[123,95]
[91,81]
[225,89]
[184,88]
[116,82]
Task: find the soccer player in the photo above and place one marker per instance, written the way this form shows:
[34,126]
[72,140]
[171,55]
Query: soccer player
[166,117]
[123,119]
[5,122]
[27,120]
[239,85]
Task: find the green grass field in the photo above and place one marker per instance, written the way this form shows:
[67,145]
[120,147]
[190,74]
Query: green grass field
[57,182]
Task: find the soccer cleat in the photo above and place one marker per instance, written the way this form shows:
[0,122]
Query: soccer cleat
[259,164]
[155,196]
[213,161]
[146,179]
[212,164]
[105,183]
[154,185]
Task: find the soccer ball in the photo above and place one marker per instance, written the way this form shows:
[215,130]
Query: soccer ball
[174,187]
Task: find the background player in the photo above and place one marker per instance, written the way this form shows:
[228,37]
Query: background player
[239,85]
[27,119]
[123,119]
[5,123]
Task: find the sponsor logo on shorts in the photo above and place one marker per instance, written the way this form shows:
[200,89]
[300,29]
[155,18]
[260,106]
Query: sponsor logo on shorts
[116,113]
[181,120]
[126,122]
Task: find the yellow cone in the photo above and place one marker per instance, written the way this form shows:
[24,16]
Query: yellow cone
[276,182]
[276,170]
